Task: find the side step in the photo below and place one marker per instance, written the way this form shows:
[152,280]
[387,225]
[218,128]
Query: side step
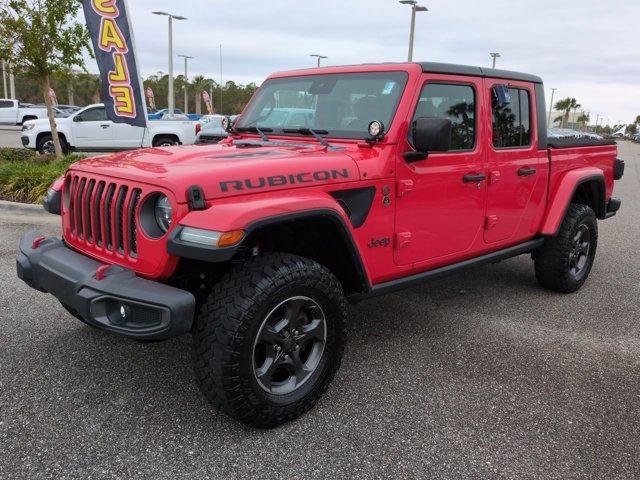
[417,279]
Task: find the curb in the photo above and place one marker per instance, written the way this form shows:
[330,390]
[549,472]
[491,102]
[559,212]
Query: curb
[25,208]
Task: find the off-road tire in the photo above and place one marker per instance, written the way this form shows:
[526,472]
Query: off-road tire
[229,321]
[49,138]
[552,260]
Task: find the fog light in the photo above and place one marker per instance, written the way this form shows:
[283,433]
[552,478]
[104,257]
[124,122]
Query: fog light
[119,313]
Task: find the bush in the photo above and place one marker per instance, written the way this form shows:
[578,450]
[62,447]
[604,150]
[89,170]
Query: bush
[28,181]
[10,155]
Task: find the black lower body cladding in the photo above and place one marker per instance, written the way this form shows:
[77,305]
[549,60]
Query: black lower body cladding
[121,302]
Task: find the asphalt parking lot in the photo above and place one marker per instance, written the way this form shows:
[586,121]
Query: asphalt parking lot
[10,136]
[482,375]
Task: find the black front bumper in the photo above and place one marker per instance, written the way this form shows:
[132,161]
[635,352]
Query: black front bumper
[121,302]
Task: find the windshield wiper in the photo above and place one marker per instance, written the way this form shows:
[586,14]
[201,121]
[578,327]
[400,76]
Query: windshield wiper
[259,131]
[309,131]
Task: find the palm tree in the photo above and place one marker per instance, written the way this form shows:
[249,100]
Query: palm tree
[566,106]
[199,84]
[575,106]
[583,119]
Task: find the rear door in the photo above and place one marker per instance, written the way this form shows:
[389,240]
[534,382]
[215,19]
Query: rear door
[517,169]
[92,129]
[8,111]
[440,209]
[126,136]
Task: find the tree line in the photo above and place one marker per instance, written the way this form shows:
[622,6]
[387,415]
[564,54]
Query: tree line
[81,88]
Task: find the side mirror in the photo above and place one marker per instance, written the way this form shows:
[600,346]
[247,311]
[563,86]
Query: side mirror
[77,118]
[430,135]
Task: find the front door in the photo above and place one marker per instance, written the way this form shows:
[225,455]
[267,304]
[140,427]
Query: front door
[92,129]
[440,209]
[518,171]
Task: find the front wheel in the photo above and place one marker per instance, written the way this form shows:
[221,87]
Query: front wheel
[269,339]
[564,262]
[46,146]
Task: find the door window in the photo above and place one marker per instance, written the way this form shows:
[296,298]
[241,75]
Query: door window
[512,123]
[454,102]
[6,104]
[94,115]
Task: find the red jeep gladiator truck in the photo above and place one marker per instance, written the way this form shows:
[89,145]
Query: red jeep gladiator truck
[335,185]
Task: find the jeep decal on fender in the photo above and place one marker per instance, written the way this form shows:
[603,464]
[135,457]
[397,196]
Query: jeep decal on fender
[281,180]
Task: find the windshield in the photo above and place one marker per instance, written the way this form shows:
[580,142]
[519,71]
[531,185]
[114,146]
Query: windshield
[338,105]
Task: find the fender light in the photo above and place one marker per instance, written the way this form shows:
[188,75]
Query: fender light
[211,238]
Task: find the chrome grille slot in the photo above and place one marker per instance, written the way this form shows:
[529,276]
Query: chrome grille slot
[78,205]
[86,209]
[97,213]
[131,222]
[119,208]
[108,216]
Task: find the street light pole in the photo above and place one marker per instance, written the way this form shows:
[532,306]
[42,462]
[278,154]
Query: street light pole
[171,93]
[494,55]
[553,92]
[4,77]
[186,79]
[319,57]
[414,9]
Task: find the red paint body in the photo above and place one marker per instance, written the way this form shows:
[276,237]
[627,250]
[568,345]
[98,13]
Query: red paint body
[433,218]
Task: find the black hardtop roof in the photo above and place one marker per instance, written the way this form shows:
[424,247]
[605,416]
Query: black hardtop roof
[453,69]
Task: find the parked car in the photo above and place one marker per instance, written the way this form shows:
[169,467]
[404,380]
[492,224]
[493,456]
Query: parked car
[58,112]
[90,129]
[212,131]
[404,174]
[161,114]
[555,132]
[12,112]
[636,138]
[68,109]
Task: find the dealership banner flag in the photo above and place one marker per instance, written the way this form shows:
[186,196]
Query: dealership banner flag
[109,25]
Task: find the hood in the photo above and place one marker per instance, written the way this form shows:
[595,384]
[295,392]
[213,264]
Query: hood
[228,170]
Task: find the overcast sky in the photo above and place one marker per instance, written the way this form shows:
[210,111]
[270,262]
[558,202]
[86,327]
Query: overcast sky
[588,49]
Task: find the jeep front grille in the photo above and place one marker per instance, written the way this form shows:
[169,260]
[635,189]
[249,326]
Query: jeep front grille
[102,214]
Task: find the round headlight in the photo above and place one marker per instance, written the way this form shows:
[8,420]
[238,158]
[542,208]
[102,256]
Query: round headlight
[164,213]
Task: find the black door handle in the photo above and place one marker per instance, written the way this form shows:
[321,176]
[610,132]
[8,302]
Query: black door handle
[525,172]
[474,178]
[105,126]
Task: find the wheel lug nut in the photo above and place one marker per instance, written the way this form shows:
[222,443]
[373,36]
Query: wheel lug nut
[278,348]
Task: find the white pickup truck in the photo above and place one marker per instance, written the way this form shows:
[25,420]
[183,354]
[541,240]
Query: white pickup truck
[12,112]
[90,130]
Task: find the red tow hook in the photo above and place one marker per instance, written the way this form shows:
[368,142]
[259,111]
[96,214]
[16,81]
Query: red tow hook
[102,271]
[36,242]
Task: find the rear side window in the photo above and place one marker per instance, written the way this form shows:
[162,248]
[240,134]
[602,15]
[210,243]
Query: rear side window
[6,104]
[512,123]
[454,102]
[94,115]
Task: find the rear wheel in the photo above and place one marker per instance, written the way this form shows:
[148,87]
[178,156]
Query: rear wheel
[564,262]
[164,142]
[269,339]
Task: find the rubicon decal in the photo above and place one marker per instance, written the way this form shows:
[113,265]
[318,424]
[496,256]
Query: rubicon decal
[282,180]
